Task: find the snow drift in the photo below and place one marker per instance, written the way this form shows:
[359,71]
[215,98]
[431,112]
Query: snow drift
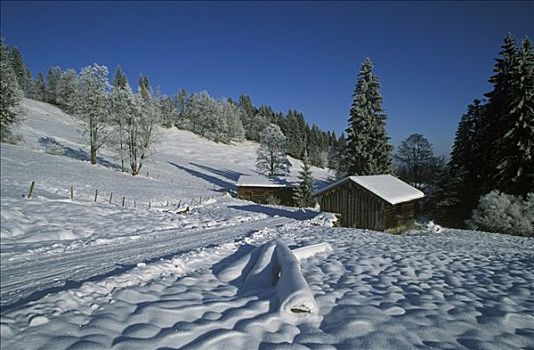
[274,265]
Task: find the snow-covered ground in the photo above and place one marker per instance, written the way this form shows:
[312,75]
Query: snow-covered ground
[76,274]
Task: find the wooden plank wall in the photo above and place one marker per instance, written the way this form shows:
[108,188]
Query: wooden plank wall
[260,194]
[363,209]
[357,206]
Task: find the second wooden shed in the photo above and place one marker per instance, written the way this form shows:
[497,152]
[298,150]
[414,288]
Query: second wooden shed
[262,189]
[376,202]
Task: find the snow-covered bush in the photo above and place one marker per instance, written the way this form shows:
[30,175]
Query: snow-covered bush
[501,212]
[55,150]
[217,120]
[273,200]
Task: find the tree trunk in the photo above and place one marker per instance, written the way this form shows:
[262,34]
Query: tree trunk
[92,136]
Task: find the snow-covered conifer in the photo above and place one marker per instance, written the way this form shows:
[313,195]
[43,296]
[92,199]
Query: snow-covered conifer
[24,77]
[52,80]
[10,94]
[303,195]
[66,90]
[368,151]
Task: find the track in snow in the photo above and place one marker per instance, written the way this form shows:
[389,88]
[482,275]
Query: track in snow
[24,281]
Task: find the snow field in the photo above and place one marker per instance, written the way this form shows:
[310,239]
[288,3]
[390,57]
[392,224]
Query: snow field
[456,290]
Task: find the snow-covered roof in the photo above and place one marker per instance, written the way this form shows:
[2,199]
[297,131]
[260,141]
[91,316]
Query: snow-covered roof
[387,187]
[263,181]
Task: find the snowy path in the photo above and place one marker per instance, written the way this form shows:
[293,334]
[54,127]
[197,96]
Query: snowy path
[24,280]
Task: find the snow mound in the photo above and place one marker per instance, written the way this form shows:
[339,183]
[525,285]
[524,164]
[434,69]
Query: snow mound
[274,265]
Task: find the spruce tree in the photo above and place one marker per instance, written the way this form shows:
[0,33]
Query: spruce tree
[52,79]
[459,186]
[303,195]
[515,170]
[507,129]
[368,151]
[247,119]
[66,90]
[10,94]
[21,71]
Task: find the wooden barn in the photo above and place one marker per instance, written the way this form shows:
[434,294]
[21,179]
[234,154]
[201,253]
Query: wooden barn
[260,189]
[376,202]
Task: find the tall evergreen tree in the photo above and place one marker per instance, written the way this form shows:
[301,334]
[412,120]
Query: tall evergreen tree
[247,118]
[52,79]
[10,94]
[515,155]
[272,152]
[22,73]
[303,195]
[368,151]
[66,90]
[169,114]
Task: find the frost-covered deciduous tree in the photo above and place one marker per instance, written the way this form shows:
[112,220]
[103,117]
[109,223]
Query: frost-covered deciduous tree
[141,126]
[231,128]
[503,213]
[416,157]
[123,108]
[10,94]
[272,152]
[217,120]
[368,151]
[91,105]
[66,90]
[40,87]
[303,195]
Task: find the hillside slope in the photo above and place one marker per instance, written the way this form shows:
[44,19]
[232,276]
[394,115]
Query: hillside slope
[179,155]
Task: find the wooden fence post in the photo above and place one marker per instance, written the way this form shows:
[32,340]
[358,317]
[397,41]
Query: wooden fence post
[96,194]
[71,192]
[110,197]
[123,201]
[31,189]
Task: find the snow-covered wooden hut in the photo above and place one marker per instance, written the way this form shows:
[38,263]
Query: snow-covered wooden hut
[262,189]
[376,202]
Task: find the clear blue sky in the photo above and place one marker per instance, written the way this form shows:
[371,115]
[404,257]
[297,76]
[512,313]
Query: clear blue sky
[433,58]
